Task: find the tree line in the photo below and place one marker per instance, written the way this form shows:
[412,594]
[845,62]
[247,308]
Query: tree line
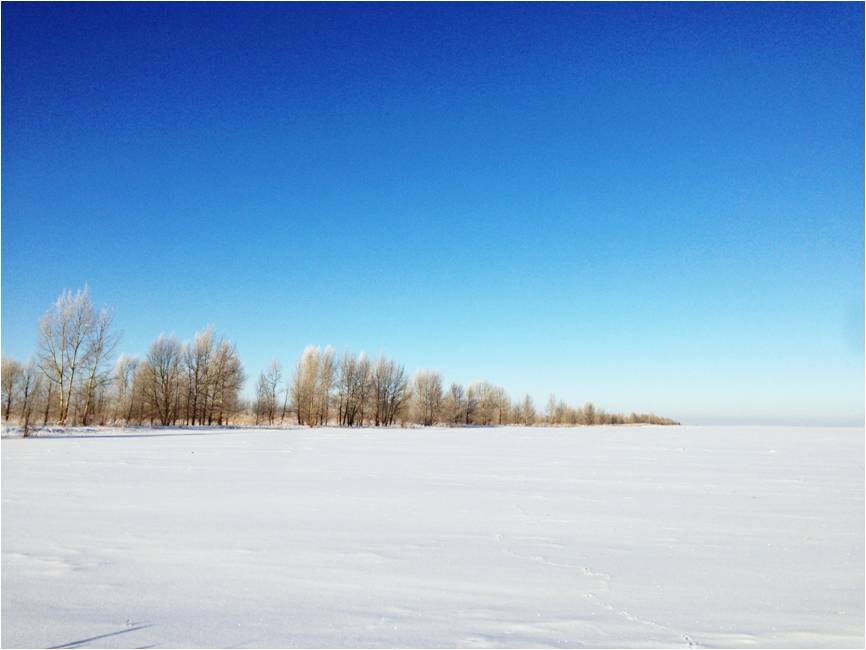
[71,381]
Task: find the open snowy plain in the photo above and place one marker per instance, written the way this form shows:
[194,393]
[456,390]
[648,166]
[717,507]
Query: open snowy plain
[598,536]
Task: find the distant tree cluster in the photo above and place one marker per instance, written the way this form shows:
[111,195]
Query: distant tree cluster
[179,382]
[360,392]
[71,382]
[558,413]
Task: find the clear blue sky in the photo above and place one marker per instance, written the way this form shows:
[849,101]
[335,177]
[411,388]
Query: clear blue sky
[654,207]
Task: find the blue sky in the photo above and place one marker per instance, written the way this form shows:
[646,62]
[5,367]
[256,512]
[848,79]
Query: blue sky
[654,207]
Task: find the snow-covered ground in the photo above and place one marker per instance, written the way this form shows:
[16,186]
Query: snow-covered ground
[630,536]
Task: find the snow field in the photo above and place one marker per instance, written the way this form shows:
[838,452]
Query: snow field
[501,537]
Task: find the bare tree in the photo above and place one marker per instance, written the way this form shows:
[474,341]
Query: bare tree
[428,396]
[287,390]
[227,380]
[30,381]
[550,409]
[354,389]
[261,405]
[47,388]
[528,410]
[324,383]
[197,361]
[502,405]
[10,378]
[345,381]
[589,415]
[517,412]
[100,347]
[305,385]
[361,390]
[124,375]
[64,334]
[397,393]
[389,391]
[470,409]
[379,381]
[200,382]
[162,366]
[266,392]
[485,412]
[454,405]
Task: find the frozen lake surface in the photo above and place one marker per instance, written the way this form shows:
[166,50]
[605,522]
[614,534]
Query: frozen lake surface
[598,536]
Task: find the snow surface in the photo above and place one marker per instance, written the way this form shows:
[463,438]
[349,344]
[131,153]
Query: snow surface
[599,536]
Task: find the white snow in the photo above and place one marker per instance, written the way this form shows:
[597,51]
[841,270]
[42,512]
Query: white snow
[600,537]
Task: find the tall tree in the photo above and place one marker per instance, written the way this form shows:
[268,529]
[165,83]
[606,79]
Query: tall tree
[389,391]
[125,370]
[345,382]
[162,366]
[65,333]
[354,389]
[228,379]
[361,390]
[324,383]
[304,387]
[197,361]
[100,347]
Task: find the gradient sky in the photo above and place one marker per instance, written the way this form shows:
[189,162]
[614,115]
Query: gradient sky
[654,207]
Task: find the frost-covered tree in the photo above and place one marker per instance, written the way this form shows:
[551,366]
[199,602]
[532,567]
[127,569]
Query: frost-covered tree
[68,333]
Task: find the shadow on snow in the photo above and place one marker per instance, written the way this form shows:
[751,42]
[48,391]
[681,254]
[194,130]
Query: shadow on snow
[75,644]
